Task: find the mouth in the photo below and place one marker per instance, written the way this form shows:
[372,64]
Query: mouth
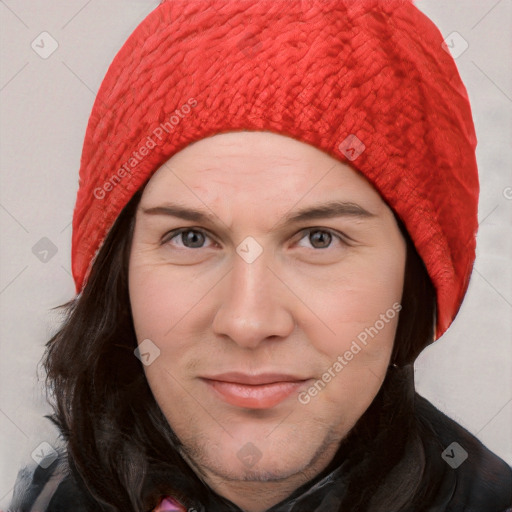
[261,391]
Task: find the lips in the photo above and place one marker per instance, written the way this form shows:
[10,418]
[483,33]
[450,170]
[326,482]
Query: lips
[261,391]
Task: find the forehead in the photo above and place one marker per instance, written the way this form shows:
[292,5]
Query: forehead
[249,167]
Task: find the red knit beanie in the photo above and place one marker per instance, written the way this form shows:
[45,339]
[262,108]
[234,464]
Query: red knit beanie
[367,82]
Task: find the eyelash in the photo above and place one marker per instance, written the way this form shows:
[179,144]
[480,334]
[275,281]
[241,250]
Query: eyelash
[344,239]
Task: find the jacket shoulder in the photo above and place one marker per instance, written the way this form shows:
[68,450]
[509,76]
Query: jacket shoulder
[483,481]
[48,488]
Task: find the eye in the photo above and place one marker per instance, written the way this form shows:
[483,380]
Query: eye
[191,238]
[194,238]
[321,238]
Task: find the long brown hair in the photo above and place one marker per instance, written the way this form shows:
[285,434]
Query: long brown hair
[122,452]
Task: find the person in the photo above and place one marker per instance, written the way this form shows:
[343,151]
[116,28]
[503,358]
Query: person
[321,156]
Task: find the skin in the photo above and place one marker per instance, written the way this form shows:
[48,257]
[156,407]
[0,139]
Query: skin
[294,309]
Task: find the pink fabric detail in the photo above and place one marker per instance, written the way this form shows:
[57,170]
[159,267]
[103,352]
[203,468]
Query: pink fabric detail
[170,505]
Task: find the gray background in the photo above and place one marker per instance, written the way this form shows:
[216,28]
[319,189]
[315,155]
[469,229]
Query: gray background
[45,105]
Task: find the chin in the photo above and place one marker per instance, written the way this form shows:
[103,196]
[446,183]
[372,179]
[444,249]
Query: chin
[260,458]
[271,468]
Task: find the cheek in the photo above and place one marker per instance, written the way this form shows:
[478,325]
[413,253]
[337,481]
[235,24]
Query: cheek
[162,304]
[360,302]
[355,363]
[161,297]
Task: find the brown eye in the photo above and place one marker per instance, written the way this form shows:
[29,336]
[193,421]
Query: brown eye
[322,238]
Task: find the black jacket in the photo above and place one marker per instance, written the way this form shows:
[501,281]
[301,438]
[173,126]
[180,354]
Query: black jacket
[470,479]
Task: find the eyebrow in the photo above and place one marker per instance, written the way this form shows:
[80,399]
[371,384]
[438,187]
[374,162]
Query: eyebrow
[327,210]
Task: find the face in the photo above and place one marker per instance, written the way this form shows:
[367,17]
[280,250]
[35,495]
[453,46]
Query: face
[265,280]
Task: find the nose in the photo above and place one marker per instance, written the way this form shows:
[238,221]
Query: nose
[255,304]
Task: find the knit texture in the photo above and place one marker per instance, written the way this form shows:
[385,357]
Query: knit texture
[320,71]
